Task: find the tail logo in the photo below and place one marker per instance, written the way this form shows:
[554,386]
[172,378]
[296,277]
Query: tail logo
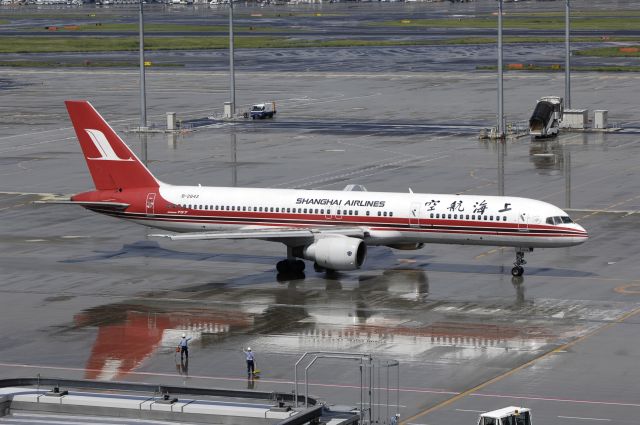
[104,147]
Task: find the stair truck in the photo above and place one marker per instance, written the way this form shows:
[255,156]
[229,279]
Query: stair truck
[546,117]
[511,415]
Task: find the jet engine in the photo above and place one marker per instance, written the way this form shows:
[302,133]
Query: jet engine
[337,252]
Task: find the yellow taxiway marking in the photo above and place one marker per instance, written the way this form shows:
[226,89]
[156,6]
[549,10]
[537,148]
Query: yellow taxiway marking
[558,350]
[632,288]
[491,251]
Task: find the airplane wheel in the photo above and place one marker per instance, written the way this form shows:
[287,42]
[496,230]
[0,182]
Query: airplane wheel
[289,277]
[282,266]
[517,271]
[299,266]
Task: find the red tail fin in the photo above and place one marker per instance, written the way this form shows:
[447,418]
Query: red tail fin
[111,163]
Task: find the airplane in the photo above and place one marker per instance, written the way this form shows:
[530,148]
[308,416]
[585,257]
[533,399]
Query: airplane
[330,228]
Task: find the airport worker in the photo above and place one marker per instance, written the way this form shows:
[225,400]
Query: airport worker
[184,346]
[251,361]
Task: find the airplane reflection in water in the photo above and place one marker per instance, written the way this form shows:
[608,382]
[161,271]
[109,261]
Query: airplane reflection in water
[129,334]
[367,317]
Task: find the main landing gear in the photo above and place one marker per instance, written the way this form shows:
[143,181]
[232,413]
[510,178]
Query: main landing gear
[518,270]
[290,266]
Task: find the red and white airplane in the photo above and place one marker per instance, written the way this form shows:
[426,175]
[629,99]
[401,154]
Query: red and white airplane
[330,228]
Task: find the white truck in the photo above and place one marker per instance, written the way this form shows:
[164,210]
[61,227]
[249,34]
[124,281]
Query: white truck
[546,117]
[511,415]
[263,110]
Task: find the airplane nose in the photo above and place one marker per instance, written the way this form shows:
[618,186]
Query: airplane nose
[582,229]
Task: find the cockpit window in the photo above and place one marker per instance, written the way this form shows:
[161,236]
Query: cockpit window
[559,220]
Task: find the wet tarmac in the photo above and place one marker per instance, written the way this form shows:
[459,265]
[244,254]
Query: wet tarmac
[87,296]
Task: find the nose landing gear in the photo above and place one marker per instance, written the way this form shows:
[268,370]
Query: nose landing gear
[518,270]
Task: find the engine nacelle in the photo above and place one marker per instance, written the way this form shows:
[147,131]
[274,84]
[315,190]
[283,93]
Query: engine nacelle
[337,252]
[406,246]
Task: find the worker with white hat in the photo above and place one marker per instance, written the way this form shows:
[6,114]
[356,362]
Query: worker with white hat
[251,361]
[184,346]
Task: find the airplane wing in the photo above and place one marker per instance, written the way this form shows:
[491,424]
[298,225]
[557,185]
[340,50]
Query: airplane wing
[275,235]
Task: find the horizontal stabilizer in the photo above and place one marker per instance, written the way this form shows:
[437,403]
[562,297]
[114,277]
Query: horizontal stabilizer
[118,206]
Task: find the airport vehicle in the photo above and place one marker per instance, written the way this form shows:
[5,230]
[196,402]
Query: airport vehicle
[546,117]
[331,228]
[508,416]
[262,110]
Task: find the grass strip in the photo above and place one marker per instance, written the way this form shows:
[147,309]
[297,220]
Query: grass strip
[158,28]
[524,22]
[43,44]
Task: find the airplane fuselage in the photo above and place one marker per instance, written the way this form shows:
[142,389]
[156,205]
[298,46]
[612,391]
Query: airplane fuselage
[388,218]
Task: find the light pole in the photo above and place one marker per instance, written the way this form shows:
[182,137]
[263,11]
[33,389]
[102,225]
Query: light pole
[567,66]
[500,77]
[231,54]
[143,95]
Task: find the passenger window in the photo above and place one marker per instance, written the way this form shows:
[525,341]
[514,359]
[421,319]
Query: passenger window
[485,217]
[350,212]
[384,213]
[322,211]
[431,215]
[338,212]
[491,218]
[271,209]
[473,217]
[328,212]
[437,215]
[299,210]
[455,216]
[449,216]
[504,218]
[206,207]
[356,212]
[467,216]
[367,213]
[316,211]
[379,213]
[390,214]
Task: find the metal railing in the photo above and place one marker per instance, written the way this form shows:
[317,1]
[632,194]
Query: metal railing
[375,389]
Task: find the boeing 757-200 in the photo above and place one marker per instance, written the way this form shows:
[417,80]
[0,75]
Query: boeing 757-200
[330,228]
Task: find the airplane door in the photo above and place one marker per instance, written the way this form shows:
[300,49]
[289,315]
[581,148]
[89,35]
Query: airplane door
[414,214]
[151,199]
[523,222]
